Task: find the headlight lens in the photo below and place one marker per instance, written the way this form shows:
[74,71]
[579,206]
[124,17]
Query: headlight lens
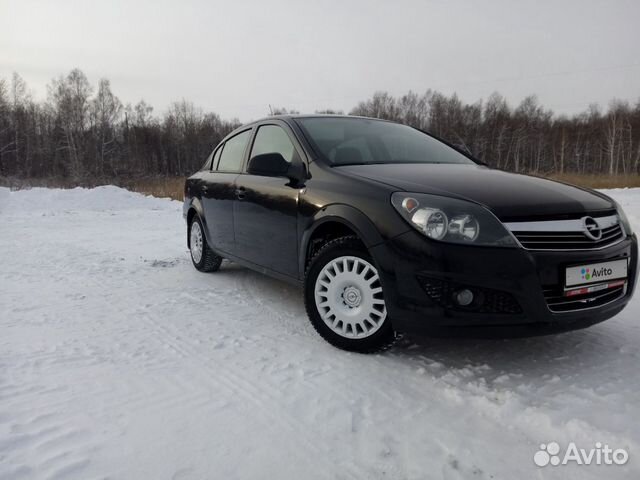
[452,220]
[465,227]
[431,221]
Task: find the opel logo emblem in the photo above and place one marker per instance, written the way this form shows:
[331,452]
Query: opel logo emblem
[591,228]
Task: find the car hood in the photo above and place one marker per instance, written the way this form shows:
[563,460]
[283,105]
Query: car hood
[507,195]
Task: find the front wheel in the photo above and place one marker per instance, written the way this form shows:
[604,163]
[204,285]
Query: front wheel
[203,258]
[345,300]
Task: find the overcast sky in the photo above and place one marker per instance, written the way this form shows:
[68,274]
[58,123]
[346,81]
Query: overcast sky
[237,57]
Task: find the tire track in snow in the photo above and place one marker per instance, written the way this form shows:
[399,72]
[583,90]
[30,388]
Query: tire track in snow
[62,452]
[235,382]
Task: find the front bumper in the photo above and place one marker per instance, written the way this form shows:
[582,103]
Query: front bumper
[516,274]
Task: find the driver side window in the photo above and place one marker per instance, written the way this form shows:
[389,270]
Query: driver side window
[273,139]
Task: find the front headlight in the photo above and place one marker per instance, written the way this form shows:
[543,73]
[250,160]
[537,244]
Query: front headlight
[626,224]
[452,220]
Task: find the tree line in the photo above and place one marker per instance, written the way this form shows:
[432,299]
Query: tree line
[84,133]
[81,132]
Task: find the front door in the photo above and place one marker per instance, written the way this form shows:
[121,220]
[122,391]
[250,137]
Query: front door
[266,208]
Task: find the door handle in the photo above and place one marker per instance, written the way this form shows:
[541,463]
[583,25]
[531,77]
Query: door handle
[241,192]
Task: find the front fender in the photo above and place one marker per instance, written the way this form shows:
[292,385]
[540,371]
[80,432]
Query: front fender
[340,213]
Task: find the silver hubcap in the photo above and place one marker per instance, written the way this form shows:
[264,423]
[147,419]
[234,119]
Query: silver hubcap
[349,297]
[195,242]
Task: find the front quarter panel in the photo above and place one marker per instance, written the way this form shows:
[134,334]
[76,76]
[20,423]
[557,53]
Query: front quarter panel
[361,204]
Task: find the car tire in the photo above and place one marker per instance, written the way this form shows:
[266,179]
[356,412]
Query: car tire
[344,298]
[203,258]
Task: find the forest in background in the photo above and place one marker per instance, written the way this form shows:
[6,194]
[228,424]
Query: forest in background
[84,133]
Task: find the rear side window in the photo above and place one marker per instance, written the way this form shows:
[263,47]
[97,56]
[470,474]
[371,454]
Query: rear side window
[233,152]
[273,139]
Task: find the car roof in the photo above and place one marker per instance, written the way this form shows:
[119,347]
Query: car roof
[293,116]
[289,117]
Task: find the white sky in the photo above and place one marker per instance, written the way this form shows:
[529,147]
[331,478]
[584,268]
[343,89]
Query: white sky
[237,57]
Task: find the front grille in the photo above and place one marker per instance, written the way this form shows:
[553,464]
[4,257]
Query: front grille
[568,234]
[559,303]
[487,300]
[568,240]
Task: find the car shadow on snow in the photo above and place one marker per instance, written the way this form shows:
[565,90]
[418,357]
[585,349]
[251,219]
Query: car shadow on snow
[585,357]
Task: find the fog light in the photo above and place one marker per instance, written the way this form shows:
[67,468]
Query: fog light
[464,297]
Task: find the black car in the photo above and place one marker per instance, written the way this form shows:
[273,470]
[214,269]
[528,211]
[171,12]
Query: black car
[391,230]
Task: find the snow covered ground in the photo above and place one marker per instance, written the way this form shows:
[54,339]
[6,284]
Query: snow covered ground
[119,360]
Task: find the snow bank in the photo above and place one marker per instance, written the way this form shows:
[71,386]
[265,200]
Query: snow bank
[104,198]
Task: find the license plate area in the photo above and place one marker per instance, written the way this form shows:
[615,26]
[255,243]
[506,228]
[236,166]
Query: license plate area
[593,289]
[588,274]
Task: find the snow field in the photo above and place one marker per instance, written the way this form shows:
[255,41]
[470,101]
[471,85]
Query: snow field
[119,360]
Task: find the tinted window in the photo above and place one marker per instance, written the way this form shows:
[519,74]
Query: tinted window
[232,152]
[344,141]
[273,139]
[356,147]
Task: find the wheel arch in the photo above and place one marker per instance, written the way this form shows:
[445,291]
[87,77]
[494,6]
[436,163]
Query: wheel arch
[196,208]
[334,221]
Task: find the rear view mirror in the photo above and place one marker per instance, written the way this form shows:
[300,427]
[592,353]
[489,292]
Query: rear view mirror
[268,165]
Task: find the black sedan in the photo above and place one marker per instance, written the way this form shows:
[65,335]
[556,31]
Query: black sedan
[390,229]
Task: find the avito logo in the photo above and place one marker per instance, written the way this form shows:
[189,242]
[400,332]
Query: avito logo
[588,274]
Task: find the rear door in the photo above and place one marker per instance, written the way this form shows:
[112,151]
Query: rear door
[218,192]
[266,208]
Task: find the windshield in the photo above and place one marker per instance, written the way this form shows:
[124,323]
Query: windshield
[362,141]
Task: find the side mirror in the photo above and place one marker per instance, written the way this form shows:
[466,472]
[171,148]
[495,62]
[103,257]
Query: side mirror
[269,165]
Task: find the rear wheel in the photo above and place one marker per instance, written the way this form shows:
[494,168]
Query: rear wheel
[203,258]
[344,298]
